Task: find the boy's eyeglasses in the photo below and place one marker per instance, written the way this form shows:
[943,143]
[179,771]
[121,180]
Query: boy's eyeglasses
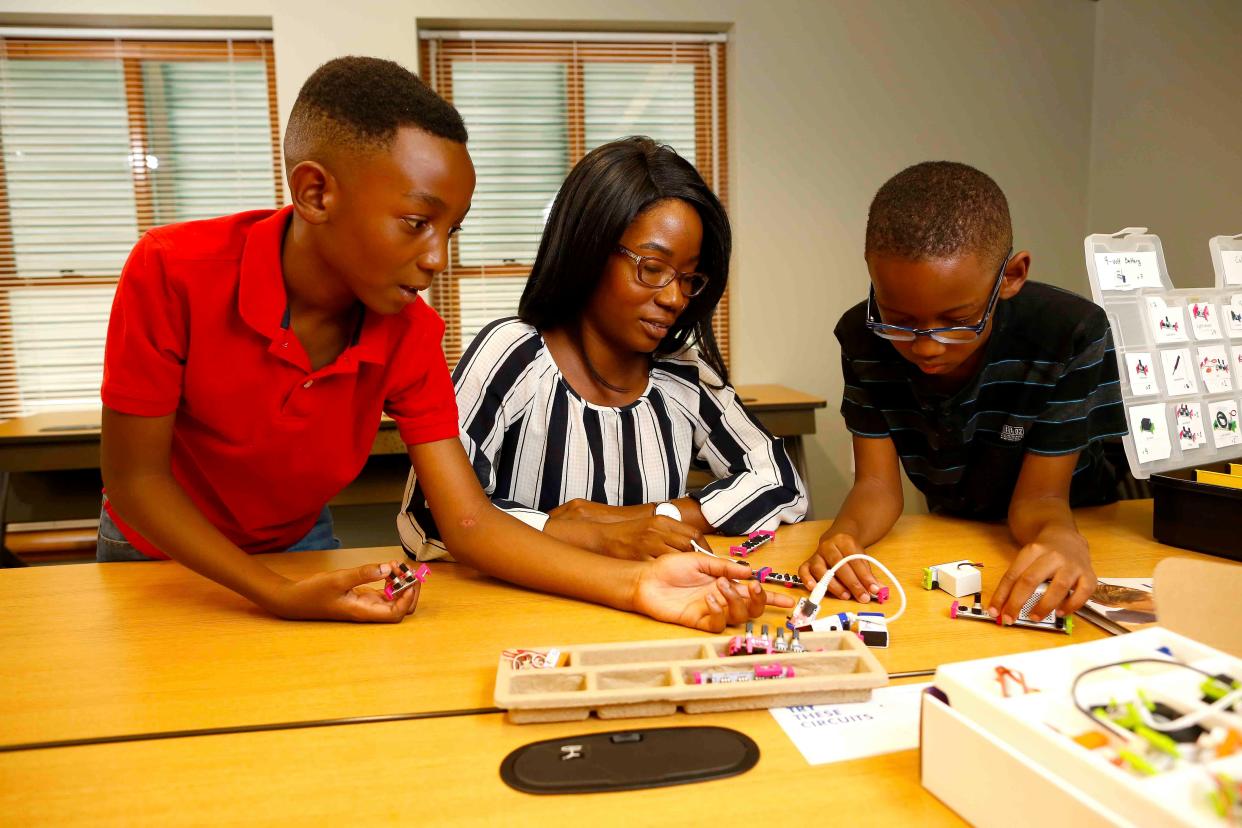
[955,335]
[653,273]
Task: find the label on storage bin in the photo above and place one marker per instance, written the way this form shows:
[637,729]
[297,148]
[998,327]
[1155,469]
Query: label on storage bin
[1141,371]
[1223,416]
[1151,432]
[1233,316]
[1233,266]
[1167,322]
[1204,320]
[1128,271]
[1189,417]
[1179,372]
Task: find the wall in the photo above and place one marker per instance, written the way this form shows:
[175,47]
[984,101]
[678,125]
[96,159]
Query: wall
[829,98]
[1165,148]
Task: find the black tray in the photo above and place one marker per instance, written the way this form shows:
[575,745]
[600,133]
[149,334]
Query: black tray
[1197,516]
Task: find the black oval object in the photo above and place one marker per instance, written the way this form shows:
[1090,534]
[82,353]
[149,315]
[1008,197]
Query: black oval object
[625,760]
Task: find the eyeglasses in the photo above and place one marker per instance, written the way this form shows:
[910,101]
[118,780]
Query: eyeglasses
[653,273]
[955,335]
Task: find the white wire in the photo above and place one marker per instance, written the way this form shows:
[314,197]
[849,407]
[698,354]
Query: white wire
[817,594]
[1191,718]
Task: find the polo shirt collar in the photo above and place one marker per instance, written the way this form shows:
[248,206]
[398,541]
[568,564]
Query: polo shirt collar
[371,341]
[264,302]
[261,297]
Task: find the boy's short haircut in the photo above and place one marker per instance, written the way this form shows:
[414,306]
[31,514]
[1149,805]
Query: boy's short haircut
[359,103]
[937,210]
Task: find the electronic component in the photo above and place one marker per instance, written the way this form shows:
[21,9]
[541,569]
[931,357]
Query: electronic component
[1005,677]
[761,671]
[403,578]
[805,612]
[749,644]
[958,578]
[753,542]
[830,623]
[872,628]
[533,659]
[765,575]
[795,646]
[780,646]
[1052,623]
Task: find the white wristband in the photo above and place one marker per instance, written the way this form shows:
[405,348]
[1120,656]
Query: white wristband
[668,510]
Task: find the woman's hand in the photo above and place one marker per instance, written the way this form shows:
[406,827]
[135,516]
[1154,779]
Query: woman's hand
[695,591]
[581,509]
[636,540]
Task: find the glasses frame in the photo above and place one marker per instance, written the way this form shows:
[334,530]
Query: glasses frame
[874,325]
[680,276]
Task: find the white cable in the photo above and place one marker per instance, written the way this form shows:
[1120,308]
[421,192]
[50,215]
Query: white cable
[821,588]
[817,594]
[1191,718]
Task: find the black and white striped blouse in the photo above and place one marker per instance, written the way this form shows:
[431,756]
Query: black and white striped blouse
[536,444]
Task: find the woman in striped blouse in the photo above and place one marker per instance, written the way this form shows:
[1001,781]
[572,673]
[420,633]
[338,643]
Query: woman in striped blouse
[584,415]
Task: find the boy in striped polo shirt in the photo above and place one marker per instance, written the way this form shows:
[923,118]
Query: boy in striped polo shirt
[994,393]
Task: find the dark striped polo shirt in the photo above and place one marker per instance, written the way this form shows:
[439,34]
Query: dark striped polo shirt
[1048,385]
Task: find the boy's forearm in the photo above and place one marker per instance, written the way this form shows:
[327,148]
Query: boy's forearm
[868,513]
[158,508]
[1029,518]
[499,545]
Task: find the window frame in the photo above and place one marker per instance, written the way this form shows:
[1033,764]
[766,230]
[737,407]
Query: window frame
[131,52]
[439,48]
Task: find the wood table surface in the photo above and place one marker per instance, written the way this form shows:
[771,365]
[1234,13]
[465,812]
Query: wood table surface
[437,771]
[95,651]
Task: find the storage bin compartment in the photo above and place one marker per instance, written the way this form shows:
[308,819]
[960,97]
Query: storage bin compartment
[625,654]
[1198,516]
[547,682]
[615,679]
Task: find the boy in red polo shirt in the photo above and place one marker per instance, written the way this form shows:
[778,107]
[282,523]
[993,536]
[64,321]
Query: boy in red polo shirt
[249,359]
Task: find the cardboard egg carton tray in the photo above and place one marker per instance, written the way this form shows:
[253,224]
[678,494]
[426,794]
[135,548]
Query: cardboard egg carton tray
[655,678]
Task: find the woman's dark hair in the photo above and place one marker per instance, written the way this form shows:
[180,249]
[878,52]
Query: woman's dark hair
[602,195]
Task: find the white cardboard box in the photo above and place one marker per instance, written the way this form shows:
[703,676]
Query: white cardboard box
[1008,761]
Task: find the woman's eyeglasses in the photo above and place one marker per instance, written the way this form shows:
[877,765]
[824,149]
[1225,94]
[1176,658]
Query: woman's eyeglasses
[955,335]
[653,273]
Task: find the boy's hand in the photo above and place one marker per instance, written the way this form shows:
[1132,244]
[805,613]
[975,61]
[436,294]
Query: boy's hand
[635,540]
[854,579]
[695,591]
[337,596]
[1059,554]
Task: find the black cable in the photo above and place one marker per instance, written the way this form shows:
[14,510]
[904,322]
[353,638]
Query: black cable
[255,728]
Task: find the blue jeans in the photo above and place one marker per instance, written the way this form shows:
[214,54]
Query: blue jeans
[112,546]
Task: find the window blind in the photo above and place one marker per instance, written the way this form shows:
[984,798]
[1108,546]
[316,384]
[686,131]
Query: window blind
[534,104]
[102,138]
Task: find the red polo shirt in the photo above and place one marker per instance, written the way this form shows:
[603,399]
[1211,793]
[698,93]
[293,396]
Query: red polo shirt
[261,442]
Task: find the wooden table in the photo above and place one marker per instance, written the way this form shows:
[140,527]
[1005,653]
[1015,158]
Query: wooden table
[134,648]
[438,771]
[54,458]
[102,650]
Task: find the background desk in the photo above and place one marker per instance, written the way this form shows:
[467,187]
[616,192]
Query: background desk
[51,464]
[103,650]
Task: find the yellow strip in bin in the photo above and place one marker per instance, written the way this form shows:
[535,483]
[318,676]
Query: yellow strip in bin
[1232,481]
